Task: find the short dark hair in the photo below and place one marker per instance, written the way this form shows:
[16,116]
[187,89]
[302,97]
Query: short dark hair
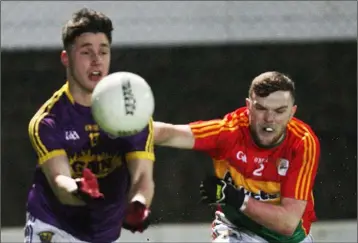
[269,82]
[86,20]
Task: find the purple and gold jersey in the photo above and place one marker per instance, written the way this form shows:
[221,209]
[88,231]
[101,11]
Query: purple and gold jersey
[63,127]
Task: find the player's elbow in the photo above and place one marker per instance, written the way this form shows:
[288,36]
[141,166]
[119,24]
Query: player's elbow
[287,231]
[288,226]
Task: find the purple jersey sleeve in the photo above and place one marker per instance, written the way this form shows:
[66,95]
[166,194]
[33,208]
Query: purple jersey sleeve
[141,145]
[45,138]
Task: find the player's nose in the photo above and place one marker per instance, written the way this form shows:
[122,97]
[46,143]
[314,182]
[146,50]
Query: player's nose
[269,117]
[96,60]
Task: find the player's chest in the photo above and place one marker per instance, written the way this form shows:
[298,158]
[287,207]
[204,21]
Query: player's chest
[266,165]
[89,147]
[86,136]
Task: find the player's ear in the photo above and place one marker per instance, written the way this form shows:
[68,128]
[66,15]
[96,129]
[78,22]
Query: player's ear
[293,110]
[248,102]
[64,58]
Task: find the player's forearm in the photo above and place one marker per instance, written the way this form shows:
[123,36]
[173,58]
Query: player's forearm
[162,133]
[142,190]
[64,187]
[274,217]
[58,174]
[176,136]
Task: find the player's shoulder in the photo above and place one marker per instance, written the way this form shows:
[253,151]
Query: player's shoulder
[236,119]
[240,114]
[299,130]
[48,112]
[228,125]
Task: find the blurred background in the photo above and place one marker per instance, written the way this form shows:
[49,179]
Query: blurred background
[199,58]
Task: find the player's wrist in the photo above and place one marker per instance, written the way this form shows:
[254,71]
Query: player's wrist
[66,183]
[139,198]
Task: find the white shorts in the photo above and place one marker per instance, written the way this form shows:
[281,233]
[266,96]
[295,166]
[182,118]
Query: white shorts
[37,231]
[224,231]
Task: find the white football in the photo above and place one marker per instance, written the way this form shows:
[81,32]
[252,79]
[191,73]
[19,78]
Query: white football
[122,104]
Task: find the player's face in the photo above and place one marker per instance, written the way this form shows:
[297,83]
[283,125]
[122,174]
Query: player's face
[269,116]
[88,60]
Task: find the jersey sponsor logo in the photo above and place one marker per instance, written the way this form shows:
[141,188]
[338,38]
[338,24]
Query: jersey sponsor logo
[259,160]
[100,164]
[46,236]
[71,135]
[282,166]
[241,156]
[260,195]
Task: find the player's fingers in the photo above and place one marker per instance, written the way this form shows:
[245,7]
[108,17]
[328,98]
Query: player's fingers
[88,175]
[86,172]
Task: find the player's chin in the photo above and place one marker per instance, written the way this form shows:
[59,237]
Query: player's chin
[267,139]
[90,85]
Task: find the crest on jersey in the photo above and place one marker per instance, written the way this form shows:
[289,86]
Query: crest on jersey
[46,236]
[282,166]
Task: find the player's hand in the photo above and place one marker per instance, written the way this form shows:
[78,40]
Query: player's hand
[88,186]
[137,217]
[216,191]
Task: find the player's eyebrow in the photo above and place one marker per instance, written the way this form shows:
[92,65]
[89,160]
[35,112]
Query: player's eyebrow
[278,108]
[282,107]
[87,44]
[260,106]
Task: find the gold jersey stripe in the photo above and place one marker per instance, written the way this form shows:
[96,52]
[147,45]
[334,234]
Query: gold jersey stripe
[34,124]
[140,155]
[149,147]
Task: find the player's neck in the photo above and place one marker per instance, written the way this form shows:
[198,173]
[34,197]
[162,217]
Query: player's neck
[80,96]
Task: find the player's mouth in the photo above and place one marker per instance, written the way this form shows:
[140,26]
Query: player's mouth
[268,129]
[95,76]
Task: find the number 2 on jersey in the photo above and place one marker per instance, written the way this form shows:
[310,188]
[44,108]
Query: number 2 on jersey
[258,171]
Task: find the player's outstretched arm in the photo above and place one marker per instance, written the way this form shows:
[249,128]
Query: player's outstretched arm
[58,174]
[170,135]
[142,184]
[137,218]
[45,138]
